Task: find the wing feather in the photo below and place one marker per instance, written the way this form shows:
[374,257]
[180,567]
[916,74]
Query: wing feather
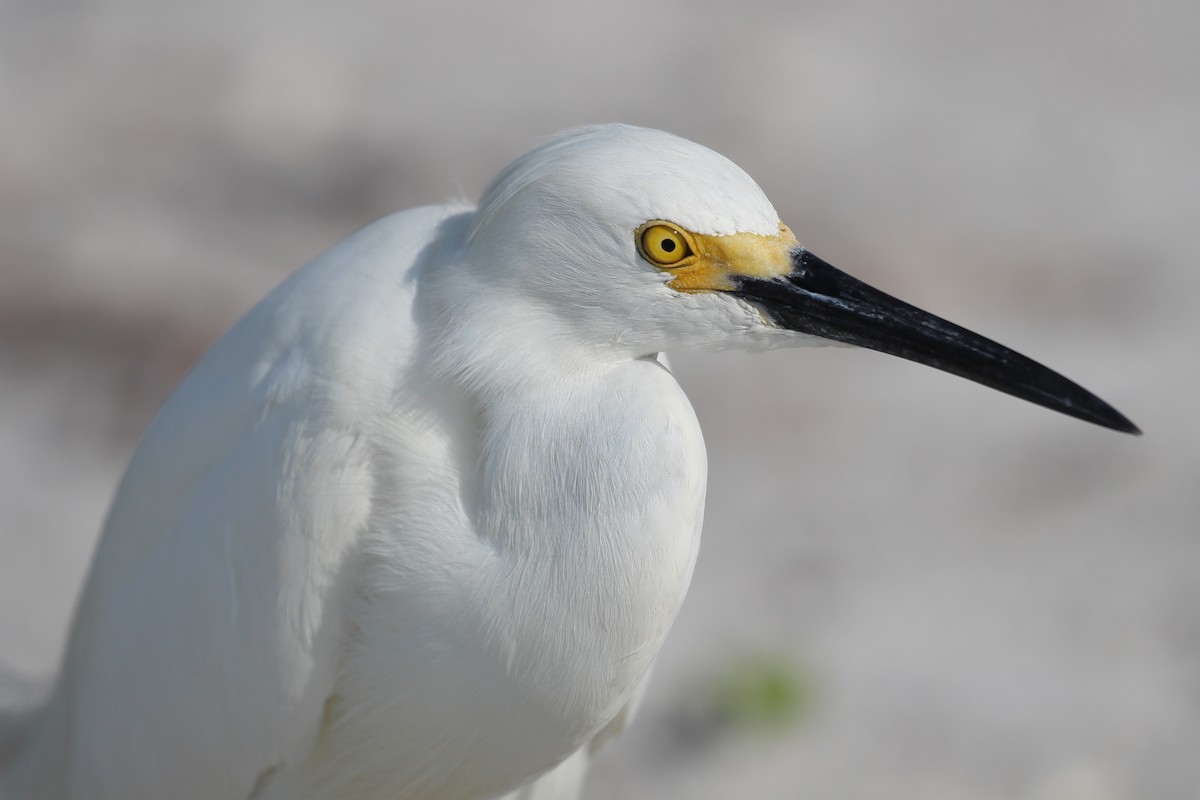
[207,640]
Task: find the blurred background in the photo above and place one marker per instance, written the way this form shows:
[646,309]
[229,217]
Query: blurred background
[910,586]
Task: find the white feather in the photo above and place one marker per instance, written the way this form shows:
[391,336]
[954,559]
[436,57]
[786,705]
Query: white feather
[417,525]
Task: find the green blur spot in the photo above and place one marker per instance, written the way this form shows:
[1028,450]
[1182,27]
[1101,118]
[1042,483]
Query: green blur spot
[766,693]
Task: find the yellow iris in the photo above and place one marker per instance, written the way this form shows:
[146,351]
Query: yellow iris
[664,245]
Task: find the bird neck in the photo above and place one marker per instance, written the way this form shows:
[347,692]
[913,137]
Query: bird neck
[590,465]
[591,494]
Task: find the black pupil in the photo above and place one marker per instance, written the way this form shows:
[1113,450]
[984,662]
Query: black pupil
[668,246]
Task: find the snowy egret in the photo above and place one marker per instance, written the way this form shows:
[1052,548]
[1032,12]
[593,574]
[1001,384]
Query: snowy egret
[417,526]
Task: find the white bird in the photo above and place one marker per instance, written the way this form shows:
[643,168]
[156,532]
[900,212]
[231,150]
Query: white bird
[418,524]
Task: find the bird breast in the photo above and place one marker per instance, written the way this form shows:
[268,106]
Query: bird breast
[528,574]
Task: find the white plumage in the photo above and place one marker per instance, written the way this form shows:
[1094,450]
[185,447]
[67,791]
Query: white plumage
[417,526]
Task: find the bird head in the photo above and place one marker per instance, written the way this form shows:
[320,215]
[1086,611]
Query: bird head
[631,241]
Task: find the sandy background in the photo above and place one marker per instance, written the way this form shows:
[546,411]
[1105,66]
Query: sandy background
[985,600]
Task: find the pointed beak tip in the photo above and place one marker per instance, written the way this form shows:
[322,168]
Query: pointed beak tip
[1108,417]
[1130,428]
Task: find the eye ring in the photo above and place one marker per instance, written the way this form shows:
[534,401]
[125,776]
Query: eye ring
[664,244]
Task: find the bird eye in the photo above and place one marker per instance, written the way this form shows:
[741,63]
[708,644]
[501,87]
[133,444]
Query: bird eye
[663,245]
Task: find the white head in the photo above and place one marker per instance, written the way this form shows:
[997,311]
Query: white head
[610,243]
[559,229]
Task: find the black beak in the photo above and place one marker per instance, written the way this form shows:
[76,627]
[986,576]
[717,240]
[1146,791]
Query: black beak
[819,299]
